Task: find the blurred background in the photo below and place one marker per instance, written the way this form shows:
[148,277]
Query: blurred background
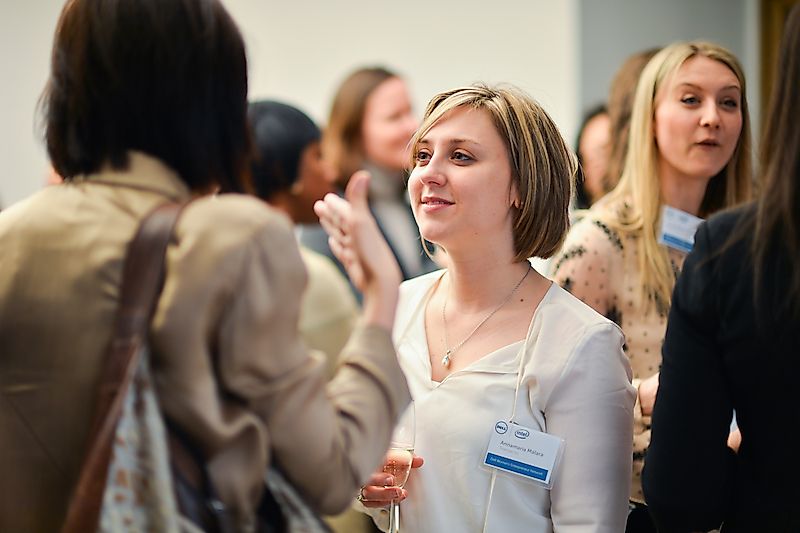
[563,52]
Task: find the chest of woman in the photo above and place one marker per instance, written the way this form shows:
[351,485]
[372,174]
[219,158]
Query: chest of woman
[455,419]
[643,322]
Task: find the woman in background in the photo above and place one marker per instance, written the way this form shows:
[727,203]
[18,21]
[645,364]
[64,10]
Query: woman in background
[602,142]
[689,153]
[732,344]
[290,174]
[370,125]
[592,147]
[620,106]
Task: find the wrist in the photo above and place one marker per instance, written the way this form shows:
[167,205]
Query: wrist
[380,303]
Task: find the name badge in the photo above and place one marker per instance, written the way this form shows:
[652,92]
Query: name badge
[524,452]
[678,229]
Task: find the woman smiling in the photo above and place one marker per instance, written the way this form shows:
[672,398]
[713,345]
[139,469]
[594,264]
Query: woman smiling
[499,359]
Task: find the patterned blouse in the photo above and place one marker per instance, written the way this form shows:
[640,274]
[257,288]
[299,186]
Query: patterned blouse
[600,266]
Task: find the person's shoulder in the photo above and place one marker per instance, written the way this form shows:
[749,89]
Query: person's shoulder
[722,225]
[326,284]
[412,293]
[40,202]
[233,217]
[420,283]
[10,215]
[317,262]
[596,228]
[238,209]
[570,334]
[568,326]
[571,309]
[230,228]
[591,238]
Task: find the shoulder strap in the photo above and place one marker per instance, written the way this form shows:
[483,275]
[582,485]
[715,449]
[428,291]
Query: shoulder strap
[142,276]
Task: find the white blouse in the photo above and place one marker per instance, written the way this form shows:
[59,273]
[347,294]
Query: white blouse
[575,384]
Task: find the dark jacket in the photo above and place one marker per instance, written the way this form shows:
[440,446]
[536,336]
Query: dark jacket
[723,353]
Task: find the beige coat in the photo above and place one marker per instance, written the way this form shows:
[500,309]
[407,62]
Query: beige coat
[226,321]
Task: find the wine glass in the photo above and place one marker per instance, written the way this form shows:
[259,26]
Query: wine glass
[398,460]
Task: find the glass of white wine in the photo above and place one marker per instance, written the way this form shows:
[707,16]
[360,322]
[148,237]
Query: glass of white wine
[398,460]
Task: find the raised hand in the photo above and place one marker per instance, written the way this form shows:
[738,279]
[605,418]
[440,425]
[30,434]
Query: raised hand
[356,241]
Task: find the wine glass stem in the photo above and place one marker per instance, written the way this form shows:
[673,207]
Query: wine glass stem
[394,517]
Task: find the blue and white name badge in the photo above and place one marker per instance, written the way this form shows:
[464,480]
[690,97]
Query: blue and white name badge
[525,452]
[677,229]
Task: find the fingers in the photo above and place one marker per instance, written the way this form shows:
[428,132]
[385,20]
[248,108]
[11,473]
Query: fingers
[373,501]
[379,492]
[380,479]
[380,489]
[384,495]
[347,257]
[334,214]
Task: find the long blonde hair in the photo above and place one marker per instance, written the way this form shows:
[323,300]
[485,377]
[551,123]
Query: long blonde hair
[639,186]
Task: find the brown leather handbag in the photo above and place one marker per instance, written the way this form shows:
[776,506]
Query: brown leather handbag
[194,497]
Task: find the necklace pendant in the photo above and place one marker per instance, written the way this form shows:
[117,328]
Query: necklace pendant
[446,360]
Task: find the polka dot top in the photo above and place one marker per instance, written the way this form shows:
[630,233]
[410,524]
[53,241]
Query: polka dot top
[600,265]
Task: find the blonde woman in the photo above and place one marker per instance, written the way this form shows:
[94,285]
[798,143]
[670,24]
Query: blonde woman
[492,350]
[734,329]
[689,150]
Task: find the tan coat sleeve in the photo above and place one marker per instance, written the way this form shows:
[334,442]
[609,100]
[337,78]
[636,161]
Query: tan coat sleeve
[327,438]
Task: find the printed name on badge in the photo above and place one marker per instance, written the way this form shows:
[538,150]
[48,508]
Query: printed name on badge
[524,452]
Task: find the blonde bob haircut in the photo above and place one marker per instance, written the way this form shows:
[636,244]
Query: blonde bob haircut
[543,167]
[639,186]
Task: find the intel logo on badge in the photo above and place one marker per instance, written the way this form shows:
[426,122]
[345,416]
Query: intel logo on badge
[522,433]
[501,427]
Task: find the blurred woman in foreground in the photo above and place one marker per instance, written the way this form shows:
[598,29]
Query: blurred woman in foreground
[146,104]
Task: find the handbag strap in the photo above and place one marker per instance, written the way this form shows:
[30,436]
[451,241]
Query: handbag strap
[142,277]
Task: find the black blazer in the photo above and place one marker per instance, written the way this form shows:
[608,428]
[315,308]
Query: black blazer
[721,354]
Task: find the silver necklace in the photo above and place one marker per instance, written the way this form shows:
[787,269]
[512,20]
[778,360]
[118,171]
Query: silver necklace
[450,351]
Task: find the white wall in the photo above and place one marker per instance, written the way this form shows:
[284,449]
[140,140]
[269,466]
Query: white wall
[563,52]
[26,35]
[299,51]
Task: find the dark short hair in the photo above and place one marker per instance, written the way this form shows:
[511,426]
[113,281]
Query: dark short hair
[281,133]
[164,77]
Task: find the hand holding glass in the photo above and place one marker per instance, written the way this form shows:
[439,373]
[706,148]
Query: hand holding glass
[398,460]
